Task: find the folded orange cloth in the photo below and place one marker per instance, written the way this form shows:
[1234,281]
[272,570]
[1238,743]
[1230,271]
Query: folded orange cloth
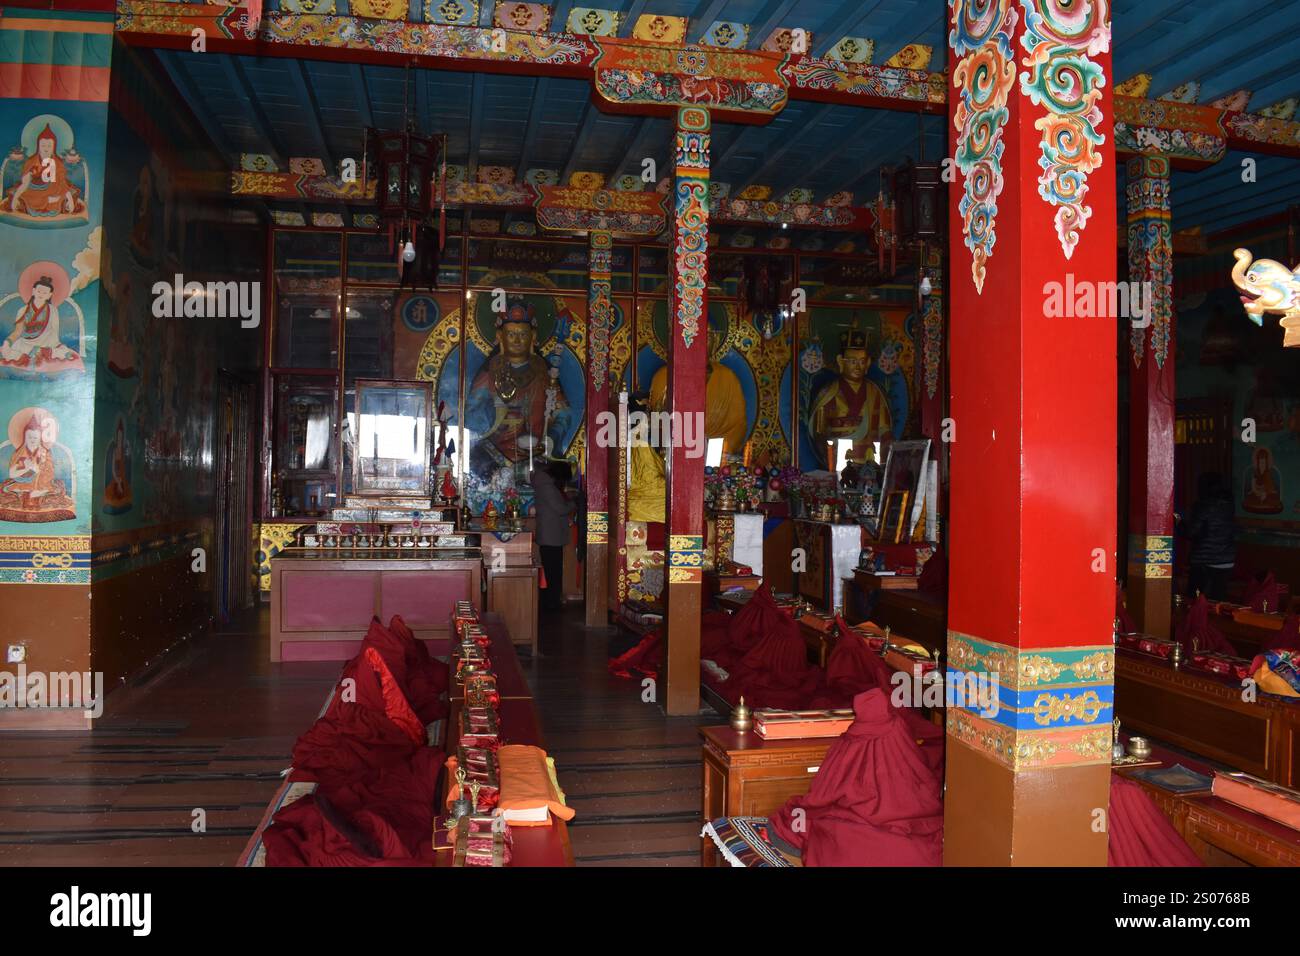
[1272,683]
[526,784]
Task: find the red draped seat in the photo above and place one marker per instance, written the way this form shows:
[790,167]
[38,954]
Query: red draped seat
[876,801]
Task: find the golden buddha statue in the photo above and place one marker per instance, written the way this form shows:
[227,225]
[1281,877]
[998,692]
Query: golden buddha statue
[725,417]
[851,407]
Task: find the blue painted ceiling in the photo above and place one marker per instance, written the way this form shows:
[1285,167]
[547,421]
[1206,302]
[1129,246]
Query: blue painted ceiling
[288,108]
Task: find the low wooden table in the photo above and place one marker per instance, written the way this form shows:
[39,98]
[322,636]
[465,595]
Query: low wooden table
[819,635]
[747,776]
[511,682]
[1220,833]
[1206,714]
[1223,834]
[1247,637]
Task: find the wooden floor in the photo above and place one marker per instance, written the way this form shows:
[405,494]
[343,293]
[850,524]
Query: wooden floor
[211,728]
[632,774]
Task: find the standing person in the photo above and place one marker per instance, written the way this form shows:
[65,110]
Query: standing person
[553,511]
[1213,538]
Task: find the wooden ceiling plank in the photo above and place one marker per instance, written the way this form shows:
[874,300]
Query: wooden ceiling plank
[853,14]
[704,17]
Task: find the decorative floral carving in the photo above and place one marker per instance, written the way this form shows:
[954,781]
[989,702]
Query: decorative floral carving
[984,75]
[1059,37]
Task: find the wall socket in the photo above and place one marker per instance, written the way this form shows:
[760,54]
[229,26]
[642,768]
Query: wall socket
[16,654]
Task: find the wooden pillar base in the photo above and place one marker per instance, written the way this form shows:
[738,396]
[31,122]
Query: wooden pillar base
[597,600]
[1150,603]
[1044,817]
[681,688]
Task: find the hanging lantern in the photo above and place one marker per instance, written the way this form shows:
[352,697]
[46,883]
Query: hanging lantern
[404,164]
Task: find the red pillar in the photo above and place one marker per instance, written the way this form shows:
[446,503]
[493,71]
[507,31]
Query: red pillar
[687,363]
[1033,402]
[599,313]
[1151,398]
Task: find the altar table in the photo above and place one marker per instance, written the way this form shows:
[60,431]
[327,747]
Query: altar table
[532,846]
[322,600]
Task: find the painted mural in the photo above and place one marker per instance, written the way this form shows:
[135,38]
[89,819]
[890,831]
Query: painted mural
[855,370]
[156,391]
[522,388]
[40,483]
[155,397]
[50,237]
[746,384]
[46,330]
[1223,354]
[44,178]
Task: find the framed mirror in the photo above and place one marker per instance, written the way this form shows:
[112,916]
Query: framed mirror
[905,470]
[392,438]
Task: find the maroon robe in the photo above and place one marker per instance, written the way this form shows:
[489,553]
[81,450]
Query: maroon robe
[876,801]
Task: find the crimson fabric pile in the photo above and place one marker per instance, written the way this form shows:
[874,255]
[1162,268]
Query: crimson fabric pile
[370,758]
[1198,636]
[877,800]
[758,653]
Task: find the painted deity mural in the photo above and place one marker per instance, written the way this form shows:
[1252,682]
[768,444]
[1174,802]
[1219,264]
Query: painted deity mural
[854,375]
[44,177]
[156,394]
[50,238]
[747,376]
[518,375]
[40,479]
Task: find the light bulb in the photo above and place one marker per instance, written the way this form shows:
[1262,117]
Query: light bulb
[408,252]
[925,285]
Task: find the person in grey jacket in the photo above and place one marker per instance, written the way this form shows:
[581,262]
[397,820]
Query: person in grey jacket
[1212,533]
[554,509]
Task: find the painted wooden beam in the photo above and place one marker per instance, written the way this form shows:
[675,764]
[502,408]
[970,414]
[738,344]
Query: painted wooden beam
[168,25]
[1199,124]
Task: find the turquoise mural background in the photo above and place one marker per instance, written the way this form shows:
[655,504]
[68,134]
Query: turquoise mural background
[67,248]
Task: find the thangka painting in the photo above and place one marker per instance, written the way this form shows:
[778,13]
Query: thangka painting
[854,373]
[40,479]
[44,330]
[117,472]
[523,387]
[44,178]
[746,376]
